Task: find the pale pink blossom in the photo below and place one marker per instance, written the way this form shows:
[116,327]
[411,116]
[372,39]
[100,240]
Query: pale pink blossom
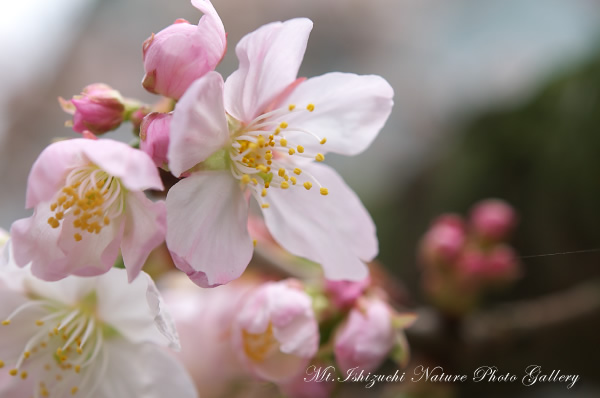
[98,109]
[493,219]
[88,203]
[204,320]
[368,336]
[263,133]
[154,136]
[181,53]
[100,337]
[275,333]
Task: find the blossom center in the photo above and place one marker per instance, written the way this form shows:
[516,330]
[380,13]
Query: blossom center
[257,346]
[263,154]
[90,199]
[63,344]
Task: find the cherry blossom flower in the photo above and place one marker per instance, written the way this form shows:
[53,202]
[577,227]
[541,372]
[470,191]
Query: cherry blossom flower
[88,202]
[275,333]
[99,337]
[182,52]
[264,133]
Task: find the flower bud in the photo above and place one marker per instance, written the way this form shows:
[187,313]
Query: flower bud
[182,52]
[154,136]
[503,264]
[444,240]
[98,109]
[493,219]
[345,293]
[366,337]
[275,333]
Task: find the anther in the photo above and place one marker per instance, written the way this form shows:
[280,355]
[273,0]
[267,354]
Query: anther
[6,322]
[281,172]
[23,375]
[310,107]
[13,372]
[77,237]
[300,149]
[39,322]
[254,242]
[245,179]
[265,205]
[293,180]
[323,191]
[307,185]
[74,390]
[291,151]
[1,364]
[283,125]
[319,157]
[291,107]
[264,192]
[283,142]
[284,185]
[323,141]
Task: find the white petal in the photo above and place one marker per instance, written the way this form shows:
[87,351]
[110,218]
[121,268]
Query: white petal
[207,235]
[145,229]
[349,111]
[269,61]
[134,309]
[199,126]
[143,371]
[334,230]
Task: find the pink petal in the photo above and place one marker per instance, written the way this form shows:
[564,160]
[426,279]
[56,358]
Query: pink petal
[199,126]
[133,167]
[349,110]
[145,228]
[54,253]
[269,61]
[206,228]
[334,230]
[49,170]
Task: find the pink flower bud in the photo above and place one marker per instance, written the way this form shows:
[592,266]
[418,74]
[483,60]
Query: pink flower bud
[493,219]
[473,263]
[366,337]
[182,52]
[98,109]
[444,240]
[503,264]
[345,293]
[154,136]
[275,333]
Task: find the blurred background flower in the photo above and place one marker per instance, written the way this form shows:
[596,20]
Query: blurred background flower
[494,98]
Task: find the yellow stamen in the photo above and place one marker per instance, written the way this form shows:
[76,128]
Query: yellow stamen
[291,107]
[307,185]
[310,107]
[319,157]
[254,242]
[13,372]
[74,390]
[245,179]
[23,375]
[283,125]
[293,180]
[283,142]
[6,322]
[39,322]
[300,149]
[77,237]
[284,185]
[323,191]
[323,141]
[291,151]
[265,205]
[264,192]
